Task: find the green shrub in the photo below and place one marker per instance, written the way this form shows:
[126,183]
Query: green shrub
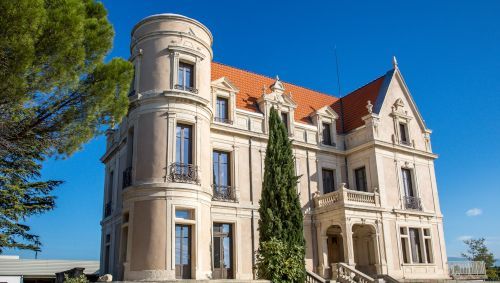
[80,279]
[280,263]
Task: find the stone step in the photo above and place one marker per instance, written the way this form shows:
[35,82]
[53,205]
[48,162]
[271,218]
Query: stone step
[199,281]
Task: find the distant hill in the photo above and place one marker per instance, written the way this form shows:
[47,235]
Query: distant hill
[456,258]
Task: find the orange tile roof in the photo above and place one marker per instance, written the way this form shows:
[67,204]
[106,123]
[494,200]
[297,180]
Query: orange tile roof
[251,84]
[354,104]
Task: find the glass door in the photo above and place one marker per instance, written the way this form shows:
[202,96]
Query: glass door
[223,251]
[182,251]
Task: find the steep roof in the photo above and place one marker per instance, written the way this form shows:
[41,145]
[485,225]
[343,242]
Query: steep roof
[350,108]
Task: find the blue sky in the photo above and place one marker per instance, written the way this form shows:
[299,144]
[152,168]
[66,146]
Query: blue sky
[448,51]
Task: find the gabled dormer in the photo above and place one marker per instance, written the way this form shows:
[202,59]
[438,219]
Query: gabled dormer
[283,103]
[325,120]
[224,101]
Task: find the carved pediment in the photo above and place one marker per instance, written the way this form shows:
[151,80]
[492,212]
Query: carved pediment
[325,111]
[277,95]
[224,84]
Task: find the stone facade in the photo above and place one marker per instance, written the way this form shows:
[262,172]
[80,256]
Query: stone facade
[368,190]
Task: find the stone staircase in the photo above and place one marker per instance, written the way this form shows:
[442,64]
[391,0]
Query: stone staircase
[344,273]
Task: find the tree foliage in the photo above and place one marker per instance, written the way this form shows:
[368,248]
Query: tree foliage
[477,251]
[279,262]
[281,220]
[57,93]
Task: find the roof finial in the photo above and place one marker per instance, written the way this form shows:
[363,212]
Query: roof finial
[277,77]
[369,107]
[394,62]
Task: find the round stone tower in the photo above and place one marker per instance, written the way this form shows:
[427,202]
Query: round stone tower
[166,201]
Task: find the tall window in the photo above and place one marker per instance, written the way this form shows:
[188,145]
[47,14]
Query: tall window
[428,245]
[416,251]
[403,131]
[404,244]
[407,182]
[222,177]
[221,169]
[414,243]
[107,253]
[185,75]
[284,119]
[109,195]
[360,175]
[328,181]
[183,144]
[327,135]
[222,113]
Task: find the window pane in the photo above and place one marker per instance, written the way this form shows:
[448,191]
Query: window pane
[360,175]
[185,75]
[404,248]
[181,76]
[217,252]
[284,119]
[416,253]
[407,182]
[327,138]
[181,213]
[178,144]
[189,76]
[221,169]
[402,130]
[428,250]
[222,108]
[227,252]
[328,181]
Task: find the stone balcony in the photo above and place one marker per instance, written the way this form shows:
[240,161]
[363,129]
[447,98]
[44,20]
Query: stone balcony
[346,197]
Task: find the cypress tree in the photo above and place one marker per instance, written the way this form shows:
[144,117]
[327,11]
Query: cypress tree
[281,221]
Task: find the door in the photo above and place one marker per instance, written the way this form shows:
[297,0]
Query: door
[223,251]
[182,251]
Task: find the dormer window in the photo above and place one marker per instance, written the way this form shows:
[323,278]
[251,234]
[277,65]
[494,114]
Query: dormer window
[185,76]
[222,110]
[327,134]
[403,132]
[284,119]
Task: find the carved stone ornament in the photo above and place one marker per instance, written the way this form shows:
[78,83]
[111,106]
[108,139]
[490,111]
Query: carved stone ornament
[398,104]
[369,107]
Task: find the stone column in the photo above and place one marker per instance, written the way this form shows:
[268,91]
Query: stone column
[348,244]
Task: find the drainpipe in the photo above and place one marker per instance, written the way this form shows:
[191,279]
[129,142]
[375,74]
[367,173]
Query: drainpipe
[313,230]
[251,200]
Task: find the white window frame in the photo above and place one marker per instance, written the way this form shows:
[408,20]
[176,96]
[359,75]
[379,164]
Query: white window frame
[422,238]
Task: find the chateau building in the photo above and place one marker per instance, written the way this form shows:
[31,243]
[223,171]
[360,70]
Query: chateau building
[184,169]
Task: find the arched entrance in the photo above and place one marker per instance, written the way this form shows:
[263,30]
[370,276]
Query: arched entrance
[365,248]
[335,245]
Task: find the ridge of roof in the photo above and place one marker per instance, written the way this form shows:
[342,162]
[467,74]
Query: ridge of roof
[271,78]
[367,84]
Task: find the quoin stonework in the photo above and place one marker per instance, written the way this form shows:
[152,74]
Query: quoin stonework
[184,169]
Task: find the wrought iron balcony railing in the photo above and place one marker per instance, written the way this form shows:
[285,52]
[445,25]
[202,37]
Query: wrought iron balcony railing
[224,193]
[107,209]
[223,120]
[127,177]
[413,203]
[186,88]
[183,173]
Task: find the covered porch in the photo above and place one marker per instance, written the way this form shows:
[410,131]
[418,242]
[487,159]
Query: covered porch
[356,245]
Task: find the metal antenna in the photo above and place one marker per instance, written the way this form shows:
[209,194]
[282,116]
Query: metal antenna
[338,72]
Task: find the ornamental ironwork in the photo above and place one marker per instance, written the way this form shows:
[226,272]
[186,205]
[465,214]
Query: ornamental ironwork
[186,88]
[223,193]
[223,120]
[183,173]
[413,203]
